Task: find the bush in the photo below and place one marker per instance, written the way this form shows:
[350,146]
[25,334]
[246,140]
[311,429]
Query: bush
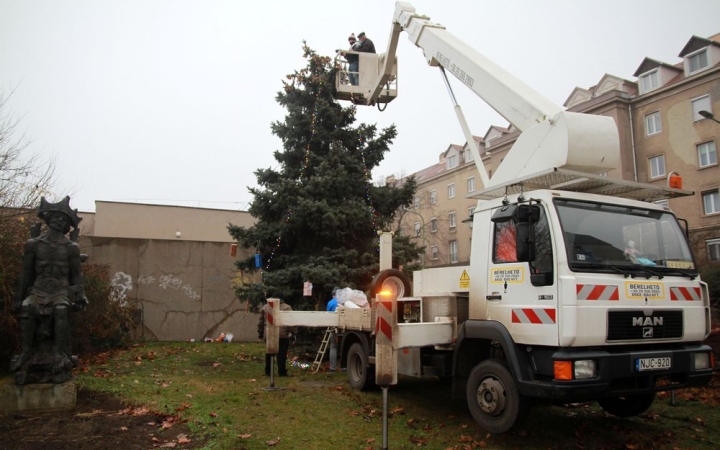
[14,231]
[107,322]
[711,275]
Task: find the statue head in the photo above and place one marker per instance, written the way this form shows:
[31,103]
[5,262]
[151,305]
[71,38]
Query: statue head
[59,216]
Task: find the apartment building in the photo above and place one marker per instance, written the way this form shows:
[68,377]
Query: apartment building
[668,121]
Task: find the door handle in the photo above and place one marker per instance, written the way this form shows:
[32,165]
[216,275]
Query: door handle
[493,297]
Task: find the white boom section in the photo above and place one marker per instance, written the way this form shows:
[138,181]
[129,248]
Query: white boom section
[405,335]
[551,137]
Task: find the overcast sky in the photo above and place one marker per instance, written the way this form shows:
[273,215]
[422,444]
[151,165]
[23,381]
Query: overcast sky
[170,102]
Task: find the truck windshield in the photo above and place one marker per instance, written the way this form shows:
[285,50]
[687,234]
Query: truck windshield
[620,239]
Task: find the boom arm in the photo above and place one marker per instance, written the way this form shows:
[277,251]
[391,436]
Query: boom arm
[551,136]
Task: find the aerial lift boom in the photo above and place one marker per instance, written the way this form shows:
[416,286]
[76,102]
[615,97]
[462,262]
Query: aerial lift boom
[551,137]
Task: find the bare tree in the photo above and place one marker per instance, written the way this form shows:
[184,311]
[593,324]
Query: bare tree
[24,177]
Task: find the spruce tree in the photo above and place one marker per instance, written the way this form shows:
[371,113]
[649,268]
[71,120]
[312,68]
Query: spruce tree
[318,213]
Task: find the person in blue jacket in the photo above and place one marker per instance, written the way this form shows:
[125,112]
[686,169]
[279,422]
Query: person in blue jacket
[331,307]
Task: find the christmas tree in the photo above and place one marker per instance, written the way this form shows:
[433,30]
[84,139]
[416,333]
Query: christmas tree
[318,213]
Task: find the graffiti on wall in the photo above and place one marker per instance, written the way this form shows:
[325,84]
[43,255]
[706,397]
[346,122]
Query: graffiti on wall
[170,281]
[122,283]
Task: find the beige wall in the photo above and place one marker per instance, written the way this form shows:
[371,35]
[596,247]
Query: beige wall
[132,220]
[184,285]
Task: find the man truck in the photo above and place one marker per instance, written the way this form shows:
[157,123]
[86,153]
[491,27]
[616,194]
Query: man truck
[580,287]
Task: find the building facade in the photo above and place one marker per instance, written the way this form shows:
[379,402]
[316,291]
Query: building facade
[667,123]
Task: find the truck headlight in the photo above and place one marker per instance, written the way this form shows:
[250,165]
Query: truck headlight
[584,369]
[701,361]
[574,370]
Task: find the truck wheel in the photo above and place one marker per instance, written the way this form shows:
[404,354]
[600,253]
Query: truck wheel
[391,280]
[493,398]
[360,375]
[627,406]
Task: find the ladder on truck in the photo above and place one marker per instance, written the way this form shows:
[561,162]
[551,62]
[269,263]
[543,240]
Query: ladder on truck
[321,351]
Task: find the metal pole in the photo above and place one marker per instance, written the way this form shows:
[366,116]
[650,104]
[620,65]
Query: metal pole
[385,418]
[272,386]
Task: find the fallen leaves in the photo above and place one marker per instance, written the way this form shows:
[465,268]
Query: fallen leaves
[273,443]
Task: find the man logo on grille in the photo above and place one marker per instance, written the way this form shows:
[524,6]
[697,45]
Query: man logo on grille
[647,332]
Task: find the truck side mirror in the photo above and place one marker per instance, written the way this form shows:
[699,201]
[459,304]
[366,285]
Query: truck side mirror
[504,214]
[527,213]
[524,248]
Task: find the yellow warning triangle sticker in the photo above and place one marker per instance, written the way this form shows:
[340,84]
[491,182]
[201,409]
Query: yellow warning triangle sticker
[464,276]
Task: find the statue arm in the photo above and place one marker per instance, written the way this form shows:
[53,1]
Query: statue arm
[77,281]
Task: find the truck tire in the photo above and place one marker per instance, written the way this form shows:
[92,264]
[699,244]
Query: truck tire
[627,406]
[360,374]
[493,398]
[391,280]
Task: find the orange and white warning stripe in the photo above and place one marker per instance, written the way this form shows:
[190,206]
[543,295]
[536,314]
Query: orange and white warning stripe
[597,292]
[685,293]
[533,315]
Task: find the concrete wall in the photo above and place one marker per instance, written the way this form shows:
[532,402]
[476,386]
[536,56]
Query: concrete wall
[184,288]
[184,282]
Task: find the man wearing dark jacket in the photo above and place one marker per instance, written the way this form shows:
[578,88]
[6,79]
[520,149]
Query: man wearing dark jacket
[284,344]
[366,45]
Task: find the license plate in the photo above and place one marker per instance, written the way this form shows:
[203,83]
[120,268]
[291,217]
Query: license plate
[643,364]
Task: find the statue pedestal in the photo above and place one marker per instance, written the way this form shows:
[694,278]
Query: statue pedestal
[33,398]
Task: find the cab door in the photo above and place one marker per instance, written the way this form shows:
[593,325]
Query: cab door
[521,280]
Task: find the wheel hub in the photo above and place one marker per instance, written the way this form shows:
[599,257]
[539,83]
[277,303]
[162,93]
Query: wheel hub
[491,396]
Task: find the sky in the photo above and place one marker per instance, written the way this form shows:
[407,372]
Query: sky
[171,101]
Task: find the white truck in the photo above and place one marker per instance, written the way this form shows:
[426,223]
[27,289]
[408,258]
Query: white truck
[557,302]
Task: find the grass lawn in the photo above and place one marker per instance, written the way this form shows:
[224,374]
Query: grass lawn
[220,390]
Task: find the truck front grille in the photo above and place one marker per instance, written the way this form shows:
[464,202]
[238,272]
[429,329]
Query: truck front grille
[636,325]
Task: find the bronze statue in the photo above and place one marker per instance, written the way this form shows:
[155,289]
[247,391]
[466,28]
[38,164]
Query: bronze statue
[51,284]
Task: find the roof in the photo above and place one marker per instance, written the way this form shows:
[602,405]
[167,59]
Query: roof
[649,64]
[696,43]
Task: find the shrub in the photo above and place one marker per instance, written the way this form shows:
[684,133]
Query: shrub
[106,323]
[711,275]
[14,231]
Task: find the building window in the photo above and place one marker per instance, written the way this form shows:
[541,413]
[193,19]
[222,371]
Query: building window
[711,202]
[433,225]
[451,190]
[452,161]
[434,252]
[471,184]
[650,81]
[700,104]
[653,124]
[453,252]
[698,61]
[417,228]
[707,154]
[433,197]
[657,166]
[417,202]
[453,222]
[713,248]
[468,156]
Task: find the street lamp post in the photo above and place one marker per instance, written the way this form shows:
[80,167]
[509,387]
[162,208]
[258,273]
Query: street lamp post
[422,220]
[708,115]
